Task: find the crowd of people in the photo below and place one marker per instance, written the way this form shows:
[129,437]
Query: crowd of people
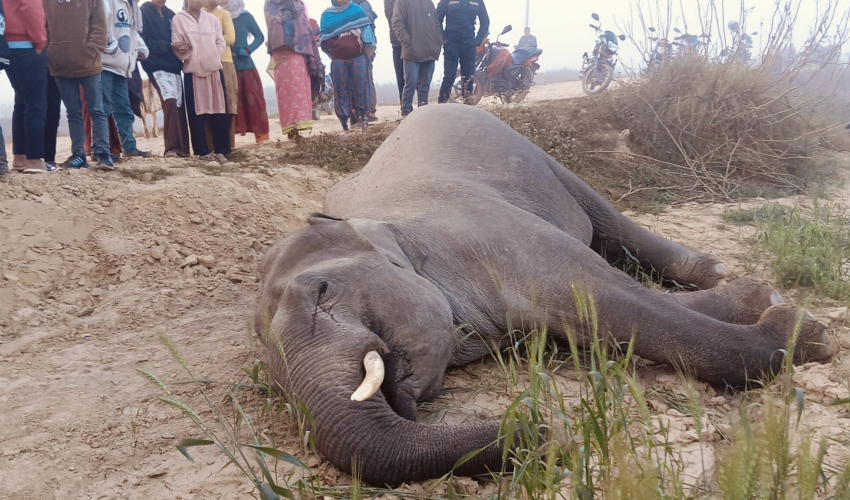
[86,54]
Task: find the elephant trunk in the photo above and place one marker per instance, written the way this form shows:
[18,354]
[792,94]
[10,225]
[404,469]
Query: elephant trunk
[368,435]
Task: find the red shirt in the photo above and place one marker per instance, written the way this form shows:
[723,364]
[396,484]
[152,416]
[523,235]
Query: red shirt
[25,22]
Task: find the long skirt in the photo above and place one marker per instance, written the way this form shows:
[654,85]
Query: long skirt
[352,89]
[251,115]
[292,88]
[231,97]
[175,128]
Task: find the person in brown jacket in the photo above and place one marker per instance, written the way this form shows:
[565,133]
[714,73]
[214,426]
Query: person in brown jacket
[77,35]
[415,27]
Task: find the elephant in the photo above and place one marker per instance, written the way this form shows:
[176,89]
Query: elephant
[457,228]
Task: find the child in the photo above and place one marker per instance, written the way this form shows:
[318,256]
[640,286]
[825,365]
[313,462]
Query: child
[197,40]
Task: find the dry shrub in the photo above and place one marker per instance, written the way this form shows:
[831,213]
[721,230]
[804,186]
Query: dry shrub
[720,130]
[339,153]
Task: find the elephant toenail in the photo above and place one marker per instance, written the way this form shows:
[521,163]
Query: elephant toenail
[720,269]
[775,298]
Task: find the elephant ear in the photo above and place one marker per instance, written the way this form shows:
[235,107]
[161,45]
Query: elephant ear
[315,218]
[411,249]
[388,240]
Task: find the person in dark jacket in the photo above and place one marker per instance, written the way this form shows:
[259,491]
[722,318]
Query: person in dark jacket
[163,69]
[415,27]
[460,40]
[397,63]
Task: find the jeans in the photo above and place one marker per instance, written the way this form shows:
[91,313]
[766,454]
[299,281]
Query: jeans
[116,102]
[51,125]
[399,70]
[28,74]
[454,52]
[69,89]
[417,78]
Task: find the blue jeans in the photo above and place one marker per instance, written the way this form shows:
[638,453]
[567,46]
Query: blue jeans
[28,74]
[69,89]
[116,101]
[417,78]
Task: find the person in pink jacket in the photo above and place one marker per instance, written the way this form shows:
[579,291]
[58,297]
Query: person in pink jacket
[197,40]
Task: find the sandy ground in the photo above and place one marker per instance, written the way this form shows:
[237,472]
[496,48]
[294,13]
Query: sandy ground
[97,266]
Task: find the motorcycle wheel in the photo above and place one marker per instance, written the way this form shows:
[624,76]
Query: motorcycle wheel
[527,77]
[592,82]
[472,100]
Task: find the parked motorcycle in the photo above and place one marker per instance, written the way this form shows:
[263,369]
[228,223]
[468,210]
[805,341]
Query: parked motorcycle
[684,44]
[597,71]
[499,72]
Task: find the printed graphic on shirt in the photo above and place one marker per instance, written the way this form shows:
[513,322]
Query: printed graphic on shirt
[2,25]
[124,44]
[122,19]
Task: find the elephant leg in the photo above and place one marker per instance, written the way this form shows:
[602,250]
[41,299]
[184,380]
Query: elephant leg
[741,301]
[615,237]
[666,331]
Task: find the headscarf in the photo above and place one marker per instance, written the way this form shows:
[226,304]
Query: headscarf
[337,20]
[235,7]
[288,25]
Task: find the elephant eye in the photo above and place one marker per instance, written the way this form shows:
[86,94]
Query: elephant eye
[323,287]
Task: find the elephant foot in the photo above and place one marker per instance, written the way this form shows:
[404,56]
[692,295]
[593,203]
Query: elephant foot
[783,321]
[702,270]
[740,301]
[749,297]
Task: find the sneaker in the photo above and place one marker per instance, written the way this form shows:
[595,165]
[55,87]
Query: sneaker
[77,162]
[136,153]
[105,163]
[4,178]
[371,118]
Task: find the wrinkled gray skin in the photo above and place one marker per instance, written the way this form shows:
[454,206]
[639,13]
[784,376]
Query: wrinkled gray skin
[459,220]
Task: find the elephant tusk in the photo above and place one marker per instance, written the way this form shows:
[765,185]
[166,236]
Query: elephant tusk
[374,377]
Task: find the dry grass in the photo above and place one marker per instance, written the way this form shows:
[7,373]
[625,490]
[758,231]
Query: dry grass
[340,153]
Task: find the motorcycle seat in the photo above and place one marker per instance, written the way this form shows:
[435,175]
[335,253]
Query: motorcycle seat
[524,54]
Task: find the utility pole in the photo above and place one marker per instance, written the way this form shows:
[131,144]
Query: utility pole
[527,8]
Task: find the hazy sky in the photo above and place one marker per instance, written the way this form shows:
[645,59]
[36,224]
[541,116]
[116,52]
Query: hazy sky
[561,27]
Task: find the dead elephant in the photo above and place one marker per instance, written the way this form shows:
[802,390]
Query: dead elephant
[459,220]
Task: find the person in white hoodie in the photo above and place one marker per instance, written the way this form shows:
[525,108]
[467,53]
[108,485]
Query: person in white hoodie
[124,48]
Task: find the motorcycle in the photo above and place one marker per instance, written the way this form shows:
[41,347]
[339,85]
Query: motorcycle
[499,72]
[664,50]
[597,71]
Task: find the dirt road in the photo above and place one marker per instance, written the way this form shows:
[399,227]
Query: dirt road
[97,266]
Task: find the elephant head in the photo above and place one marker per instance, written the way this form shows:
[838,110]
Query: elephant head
[359,337]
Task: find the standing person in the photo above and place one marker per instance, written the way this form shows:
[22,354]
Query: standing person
[294,60]
[397,62]
[26,36]
[4,64]
[231,85]
[197,40]
[78,35]
[415,26]
[373,109]
[163,69]
[251,115]
[125,48]
[460,41]
[51,124]
[351,77]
